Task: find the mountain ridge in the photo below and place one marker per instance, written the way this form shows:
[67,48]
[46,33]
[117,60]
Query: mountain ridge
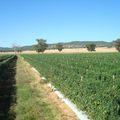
[71,44]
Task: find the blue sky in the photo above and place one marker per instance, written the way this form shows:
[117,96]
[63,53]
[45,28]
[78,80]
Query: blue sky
[23,21]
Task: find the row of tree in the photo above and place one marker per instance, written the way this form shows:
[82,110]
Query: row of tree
[91,47]
[41,46]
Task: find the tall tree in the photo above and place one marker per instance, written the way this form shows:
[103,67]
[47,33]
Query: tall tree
[91,47]
[117,44]
[41,45]
[59,46]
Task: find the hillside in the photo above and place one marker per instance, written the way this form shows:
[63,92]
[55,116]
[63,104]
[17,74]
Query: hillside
[72,44]
[5,49]
[77,44]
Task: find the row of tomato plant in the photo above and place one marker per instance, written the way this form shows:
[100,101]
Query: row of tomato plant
[91,81]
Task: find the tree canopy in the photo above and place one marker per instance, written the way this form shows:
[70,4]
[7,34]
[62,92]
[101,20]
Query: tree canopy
[41,45]
[91,47]
[59,46]
[117,44]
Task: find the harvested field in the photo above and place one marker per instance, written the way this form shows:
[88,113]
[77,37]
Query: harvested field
[75,50]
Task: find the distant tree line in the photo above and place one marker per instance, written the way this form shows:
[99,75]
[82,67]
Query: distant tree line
[41,46]
[18,51]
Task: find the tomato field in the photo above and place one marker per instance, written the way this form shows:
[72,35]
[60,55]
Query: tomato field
[91,81]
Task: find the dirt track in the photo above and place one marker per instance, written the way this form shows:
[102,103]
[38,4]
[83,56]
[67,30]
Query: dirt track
[62,111]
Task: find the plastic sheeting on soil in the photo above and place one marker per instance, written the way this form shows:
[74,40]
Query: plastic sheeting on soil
[80,114]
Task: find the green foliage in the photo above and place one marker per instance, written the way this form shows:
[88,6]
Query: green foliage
[117,44]
[59,46]
[7,87]
[91,81]
[5,59]
[90,47]
[41,45]
[31,102]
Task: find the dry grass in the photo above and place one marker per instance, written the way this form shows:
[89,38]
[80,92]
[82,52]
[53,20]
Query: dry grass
[74,50]
[31,103]
[35,99]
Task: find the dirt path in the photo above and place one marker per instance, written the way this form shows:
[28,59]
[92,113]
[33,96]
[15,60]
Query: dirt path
[60,109]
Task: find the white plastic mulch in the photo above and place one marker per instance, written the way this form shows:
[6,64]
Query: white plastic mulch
[80,114]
